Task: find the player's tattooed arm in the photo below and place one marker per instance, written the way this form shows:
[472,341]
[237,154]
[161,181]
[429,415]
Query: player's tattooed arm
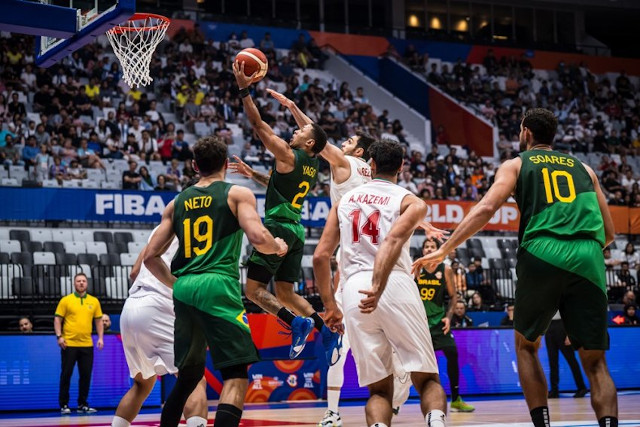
[244,169]
[260,178]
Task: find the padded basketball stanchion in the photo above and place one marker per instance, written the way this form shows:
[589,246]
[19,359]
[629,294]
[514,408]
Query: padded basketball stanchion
[134,42]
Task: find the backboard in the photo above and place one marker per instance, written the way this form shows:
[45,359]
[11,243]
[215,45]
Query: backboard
[63,26]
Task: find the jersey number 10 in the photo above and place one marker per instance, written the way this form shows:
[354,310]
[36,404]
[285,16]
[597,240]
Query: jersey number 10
[206,237]
[552,183]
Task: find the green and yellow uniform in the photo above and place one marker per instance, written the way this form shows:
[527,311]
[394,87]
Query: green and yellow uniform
[283,210]
[433,287]
[78,314]
[207,294]
[560,261]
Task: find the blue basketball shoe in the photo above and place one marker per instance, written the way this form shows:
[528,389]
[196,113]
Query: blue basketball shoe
[332,342]
[301,327]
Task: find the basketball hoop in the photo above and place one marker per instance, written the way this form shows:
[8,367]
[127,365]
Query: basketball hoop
[134,42]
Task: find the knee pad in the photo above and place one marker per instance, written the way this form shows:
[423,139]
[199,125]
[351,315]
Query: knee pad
[235,371]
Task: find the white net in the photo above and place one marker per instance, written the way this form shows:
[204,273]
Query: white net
[134,42]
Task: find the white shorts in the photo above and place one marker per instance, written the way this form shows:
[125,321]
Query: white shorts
[398,323]
[146,327]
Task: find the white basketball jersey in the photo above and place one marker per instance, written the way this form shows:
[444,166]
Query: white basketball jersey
[146,282]
[365,215]
[360,174]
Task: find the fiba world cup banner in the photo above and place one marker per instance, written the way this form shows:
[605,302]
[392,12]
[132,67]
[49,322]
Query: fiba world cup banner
[60,204]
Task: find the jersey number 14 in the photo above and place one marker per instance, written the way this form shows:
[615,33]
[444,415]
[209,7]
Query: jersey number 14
[369,228]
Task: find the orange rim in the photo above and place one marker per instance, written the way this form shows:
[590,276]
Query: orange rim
[119,29]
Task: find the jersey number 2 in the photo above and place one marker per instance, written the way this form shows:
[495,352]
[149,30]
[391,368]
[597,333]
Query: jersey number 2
[206,237]
[370,227]
[304,185]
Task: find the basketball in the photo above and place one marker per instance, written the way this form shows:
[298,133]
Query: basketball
[254,60]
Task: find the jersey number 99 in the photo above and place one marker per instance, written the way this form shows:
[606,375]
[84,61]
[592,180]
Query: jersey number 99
[205,237]
[427,294]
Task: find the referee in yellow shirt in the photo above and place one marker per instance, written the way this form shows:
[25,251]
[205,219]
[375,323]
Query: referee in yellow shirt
[77,310]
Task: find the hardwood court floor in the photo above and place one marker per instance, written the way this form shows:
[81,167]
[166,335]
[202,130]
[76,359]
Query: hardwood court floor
[495,412]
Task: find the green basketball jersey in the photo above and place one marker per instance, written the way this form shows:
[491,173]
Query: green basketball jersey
[209,234]
[556,198]
[286,192]
[433,287]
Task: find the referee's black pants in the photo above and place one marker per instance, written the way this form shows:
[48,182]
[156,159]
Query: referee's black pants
[84,357]
[554,340]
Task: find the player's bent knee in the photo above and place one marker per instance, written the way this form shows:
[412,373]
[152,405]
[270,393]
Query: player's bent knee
[235,372]
[258,273]
[523,344]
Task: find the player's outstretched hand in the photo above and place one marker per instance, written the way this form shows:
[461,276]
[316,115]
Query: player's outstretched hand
[433,232]
[240,167]
[429,261]
[369,302]
[283,247]
[283,100]
[242,79]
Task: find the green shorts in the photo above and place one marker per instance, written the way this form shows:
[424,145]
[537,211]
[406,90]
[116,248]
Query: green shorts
[286,268]
[567,276]
[439,338]
[209,312]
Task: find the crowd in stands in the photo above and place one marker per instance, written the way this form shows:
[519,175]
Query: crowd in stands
[597,114]
[79,114]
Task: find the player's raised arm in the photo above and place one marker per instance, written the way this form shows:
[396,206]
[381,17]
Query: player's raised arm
[609,228]
[322,269]
[503,186]
[158,245]
[413,210]
[243,204]
[301,118]
[330,153]
[278,146]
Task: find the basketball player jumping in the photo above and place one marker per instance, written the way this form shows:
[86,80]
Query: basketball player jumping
[349,169]
[564,224]
[373,225]
[294,174]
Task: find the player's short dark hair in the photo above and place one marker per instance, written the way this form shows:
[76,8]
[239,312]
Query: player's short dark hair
[364,141]
[388,155]
[210,154]
[80,274]
[542,123]
[320,138]
[431,239]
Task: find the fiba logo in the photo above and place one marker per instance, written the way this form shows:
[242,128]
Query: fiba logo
[292,380]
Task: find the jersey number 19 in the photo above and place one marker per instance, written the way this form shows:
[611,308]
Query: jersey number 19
[205,237]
